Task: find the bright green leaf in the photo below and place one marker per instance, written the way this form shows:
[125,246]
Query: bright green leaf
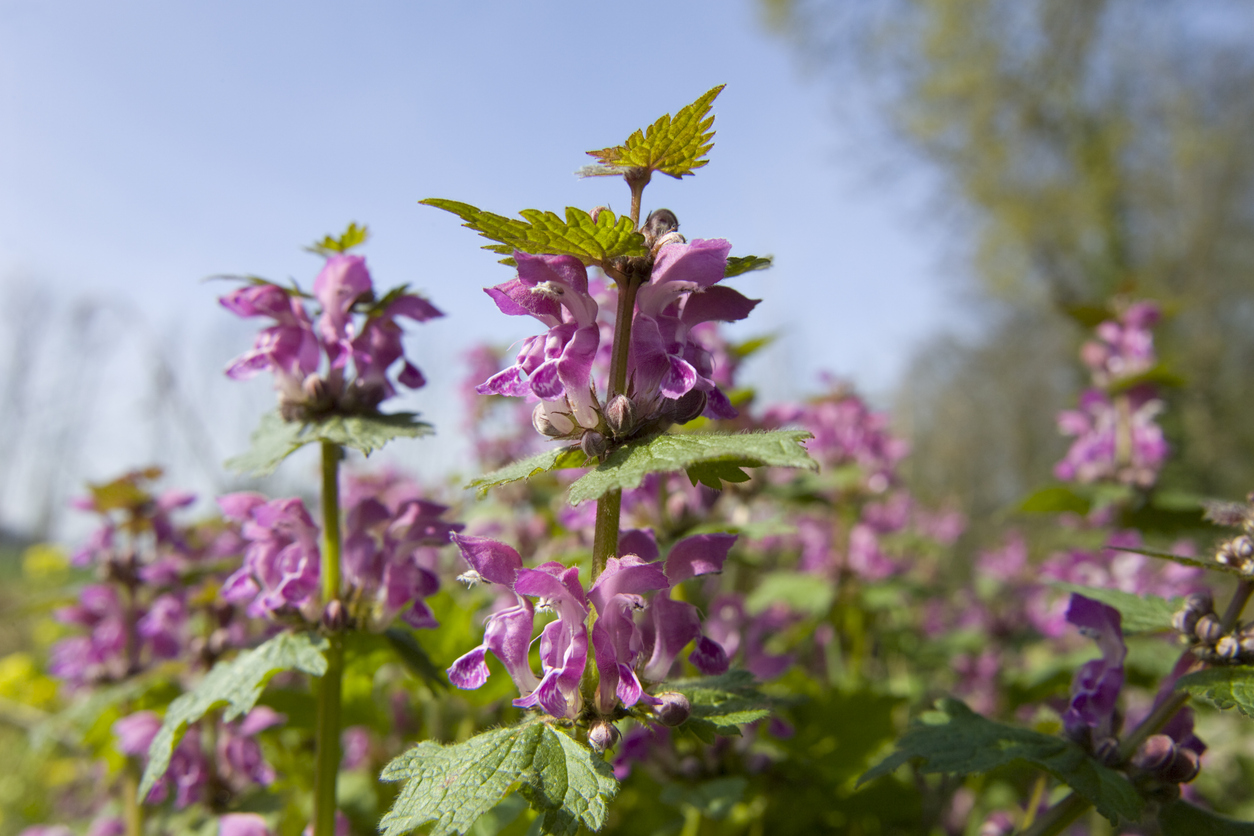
[956,740]
[628,465]
[803,593]
[237,684]
[1227,687]
[592,242]
[722,704]
[353,236]
[751,347]
[1180,818]
[1056,499]
[738,264]
[1141,613]
[672,145]
[454,785]
[276,439]
[556,459]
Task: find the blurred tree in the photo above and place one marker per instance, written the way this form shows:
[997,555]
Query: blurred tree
[1092,149]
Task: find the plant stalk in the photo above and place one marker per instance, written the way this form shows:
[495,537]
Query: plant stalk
[605,535]
[327,740]
[132,810]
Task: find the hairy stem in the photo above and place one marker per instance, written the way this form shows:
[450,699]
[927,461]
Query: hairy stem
[637,179]
[627,289]
[327,740]
[132,810]
[605,535]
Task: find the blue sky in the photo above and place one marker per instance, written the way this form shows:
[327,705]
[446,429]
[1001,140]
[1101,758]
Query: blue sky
[150,144]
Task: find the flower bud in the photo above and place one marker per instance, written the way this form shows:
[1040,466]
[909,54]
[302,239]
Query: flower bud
[1185,621]
[1155,754]
[620,415]
[1226,555]
[540,420]
[593,444]
[1247,647]
[334,617]
[1183,768]
[1106,750]
[657,225]
[317,397]
[1208,629]
[1243,547]
[602,736]
[1200,602]
[674,709]
[1228,647]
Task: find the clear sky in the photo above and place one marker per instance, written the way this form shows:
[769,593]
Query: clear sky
[150,143]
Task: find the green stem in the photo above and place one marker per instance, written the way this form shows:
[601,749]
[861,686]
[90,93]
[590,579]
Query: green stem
[327,740]
[132,810]
[605,535]
[1059,817]
[622,334]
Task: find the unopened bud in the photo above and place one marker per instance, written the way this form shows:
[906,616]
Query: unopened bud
[334,617]
[1185,621]
[1226,555]
[1247,647]
[674,710]
[315,391]
[1208,629]
[1228,647]
[596,213]
[620,415]
[218,643]
[1200,602]
[540,420]
[1243,547]
[602,736]
[658,224]
[593,444]
[1184,767]
[1155,754]
[1106,750]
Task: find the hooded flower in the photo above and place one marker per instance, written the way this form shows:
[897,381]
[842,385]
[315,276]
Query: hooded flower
[1095,689]
[281,562]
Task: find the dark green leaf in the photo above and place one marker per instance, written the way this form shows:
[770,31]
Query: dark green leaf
[672,145]
[713,474]
[406,645]
[955,739]
[628,465]
[556,459]
[456,784]
[1182,560]
[1180,818]
[276,439]
[1226,687]
[798,591]
[237,684]
[722,704]
[592,242]
[1141,613]
[713,799]
[738,264]
[1055,499]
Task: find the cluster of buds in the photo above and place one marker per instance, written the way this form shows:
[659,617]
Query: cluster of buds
[669,373]
[311,364]
[1162,759]
[1198,624]
[1238,552]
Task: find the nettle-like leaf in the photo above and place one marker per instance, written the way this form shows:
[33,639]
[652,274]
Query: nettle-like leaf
[453,785]
[954,739]
[592,242]
[1141,613]
[352,236]
[1182,560]
[1056,499]
[275,439]
[558,459]
[237,684]
[673,145]
[1180,818]
[628,465]
[722,704]
[738,264]
[1230,686]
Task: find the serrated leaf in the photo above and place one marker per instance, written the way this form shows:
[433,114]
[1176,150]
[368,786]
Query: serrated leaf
[957,740]
[454,785]
[275,439]
[592,242]
[1180,818]
[714,474]
[1230,686]
[1181,559]
[673,145]
[1056,499]
[237,684]
[558,459]
[802,593]
[352,236]
[738,264]
[628,465]
[722,704]
[1140,613]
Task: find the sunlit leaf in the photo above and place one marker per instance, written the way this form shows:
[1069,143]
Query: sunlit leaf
[738,264]
[275,439]
[1140,613]
[1230,686]
[721,705]
[556,459]
[673,145]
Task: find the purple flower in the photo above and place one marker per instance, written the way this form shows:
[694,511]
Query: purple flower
[240,762]
[243,824]
[1124,348]
[1116,439]
[355,744]
[281,563]
[1095,688]
[136,731]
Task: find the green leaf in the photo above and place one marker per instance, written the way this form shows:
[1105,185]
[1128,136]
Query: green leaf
[738,264]
[276,439]
[1141,613]
[628,465]
[713,799]
[352,237]
[592,242]
[672,145]
[751,347]
[557,459]
[1159,375]
[798,591]
[955,739]
[454,785]
[722,704]
[1055,499]
[406,645]
[1182,560]
[1230,686]
[1180,818]
[713,474]
[237,684]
